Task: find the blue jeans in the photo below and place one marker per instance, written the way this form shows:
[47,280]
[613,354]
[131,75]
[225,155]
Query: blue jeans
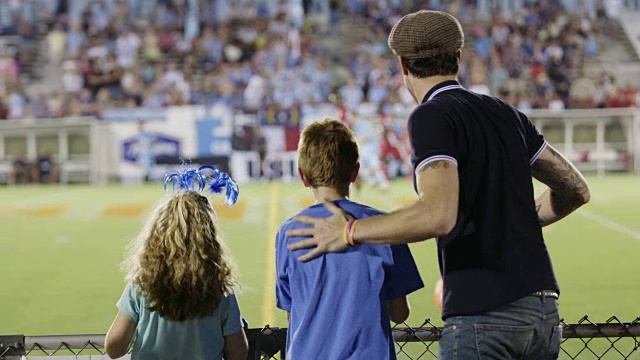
[528,328]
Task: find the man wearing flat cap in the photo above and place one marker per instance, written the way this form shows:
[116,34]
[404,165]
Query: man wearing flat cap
[474,157]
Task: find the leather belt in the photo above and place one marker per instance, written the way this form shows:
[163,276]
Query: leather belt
[547,293]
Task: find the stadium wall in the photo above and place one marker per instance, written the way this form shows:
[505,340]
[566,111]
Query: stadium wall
[100,151]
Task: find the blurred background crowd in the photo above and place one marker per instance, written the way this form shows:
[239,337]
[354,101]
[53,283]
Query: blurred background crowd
[95,55]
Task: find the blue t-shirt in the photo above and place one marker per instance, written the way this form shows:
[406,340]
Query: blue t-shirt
[338,301]
[159,338]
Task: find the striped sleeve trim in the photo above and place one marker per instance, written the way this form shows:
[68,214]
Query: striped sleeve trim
[539,152]
[433,159]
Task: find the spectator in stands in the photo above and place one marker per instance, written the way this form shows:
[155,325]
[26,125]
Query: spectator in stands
[127,47]
[499,76]
[4,109]
[45,170]
[583,92]
[379,91]
[56,105]
[254,93]
[87,103]
[259,145]
[98,49]
[478,84]
[72,80]
[628,93]
[76,39]
[556,103]
[483,43]
[9,70]
[151,47]
[269,41]
[57,44]
[16,102]
[352,95]
[179,301]
[351,295]
[21,170]
[38,103]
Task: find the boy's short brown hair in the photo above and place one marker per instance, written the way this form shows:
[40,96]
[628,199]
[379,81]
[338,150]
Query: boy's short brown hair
[327,154]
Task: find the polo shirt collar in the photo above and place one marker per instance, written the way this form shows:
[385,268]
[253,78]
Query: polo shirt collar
[443,86]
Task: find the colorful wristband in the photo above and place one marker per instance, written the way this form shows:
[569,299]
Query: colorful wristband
[351,228]
[345,234]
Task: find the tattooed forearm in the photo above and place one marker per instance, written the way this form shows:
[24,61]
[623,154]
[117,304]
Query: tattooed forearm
[568,188]
[437,164]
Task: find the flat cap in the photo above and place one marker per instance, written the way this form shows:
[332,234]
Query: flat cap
[425,34]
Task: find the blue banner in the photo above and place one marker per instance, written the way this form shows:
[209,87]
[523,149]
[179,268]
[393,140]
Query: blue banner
[158,146]
[214,137]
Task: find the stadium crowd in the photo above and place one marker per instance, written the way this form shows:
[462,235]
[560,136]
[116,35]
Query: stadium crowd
[534,59]
[248,55]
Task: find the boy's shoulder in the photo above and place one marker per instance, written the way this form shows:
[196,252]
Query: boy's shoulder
[357,210]
[361,211]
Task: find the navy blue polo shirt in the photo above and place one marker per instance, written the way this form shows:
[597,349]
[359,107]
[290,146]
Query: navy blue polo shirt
[495,253]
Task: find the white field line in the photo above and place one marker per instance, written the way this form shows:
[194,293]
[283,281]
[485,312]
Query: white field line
[616,226]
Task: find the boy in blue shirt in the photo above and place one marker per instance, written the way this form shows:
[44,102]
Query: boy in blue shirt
[339,304]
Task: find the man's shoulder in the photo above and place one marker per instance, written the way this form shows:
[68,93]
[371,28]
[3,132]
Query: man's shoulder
[448,103]
[439,108]
[496,101]
[427,107]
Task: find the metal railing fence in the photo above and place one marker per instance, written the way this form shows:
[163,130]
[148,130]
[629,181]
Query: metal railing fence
[613,339]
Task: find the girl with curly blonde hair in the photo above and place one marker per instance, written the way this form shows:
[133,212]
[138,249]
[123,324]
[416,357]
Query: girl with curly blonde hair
[179,301]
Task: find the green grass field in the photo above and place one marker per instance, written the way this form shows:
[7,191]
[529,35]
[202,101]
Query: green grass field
[61,248]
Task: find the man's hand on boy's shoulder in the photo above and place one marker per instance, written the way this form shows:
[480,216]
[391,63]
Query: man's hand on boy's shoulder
[326,234]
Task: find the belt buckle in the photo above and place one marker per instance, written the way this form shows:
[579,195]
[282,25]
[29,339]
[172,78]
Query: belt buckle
[546,293]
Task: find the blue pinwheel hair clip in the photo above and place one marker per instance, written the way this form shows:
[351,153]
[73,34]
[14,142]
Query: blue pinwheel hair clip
[205,177]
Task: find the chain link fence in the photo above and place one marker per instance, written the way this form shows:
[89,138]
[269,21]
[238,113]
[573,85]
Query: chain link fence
[613,339]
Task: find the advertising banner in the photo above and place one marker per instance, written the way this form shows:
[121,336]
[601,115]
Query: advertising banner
[173,138]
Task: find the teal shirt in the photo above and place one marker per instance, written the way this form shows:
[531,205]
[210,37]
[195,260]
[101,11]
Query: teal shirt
[159,338]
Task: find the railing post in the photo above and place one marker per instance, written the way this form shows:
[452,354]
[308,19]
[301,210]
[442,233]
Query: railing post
[253,337]
[257,346]
[11,347]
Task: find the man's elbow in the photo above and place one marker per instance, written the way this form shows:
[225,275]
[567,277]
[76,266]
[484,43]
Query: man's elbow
[579,196]
[444,225]
[586,195]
